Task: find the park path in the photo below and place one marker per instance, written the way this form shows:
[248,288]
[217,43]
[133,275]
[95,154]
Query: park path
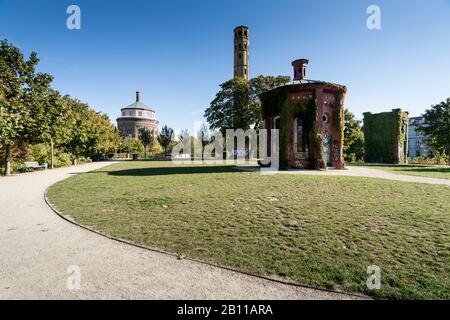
[37,247]
[359,172]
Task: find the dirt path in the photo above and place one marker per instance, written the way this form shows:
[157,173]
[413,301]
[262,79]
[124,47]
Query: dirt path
[37,247]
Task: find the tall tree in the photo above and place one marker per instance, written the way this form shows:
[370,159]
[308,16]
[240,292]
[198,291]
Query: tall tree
[146,137]
[438,127]
[204,138]
[237,104]
[353,138]
[20,85]
[183,135]
[165,138]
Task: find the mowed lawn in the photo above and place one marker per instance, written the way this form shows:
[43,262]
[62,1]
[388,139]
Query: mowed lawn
[315,230]
[438,172]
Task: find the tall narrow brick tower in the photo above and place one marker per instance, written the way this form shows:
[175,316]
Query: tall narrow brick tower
[241,52]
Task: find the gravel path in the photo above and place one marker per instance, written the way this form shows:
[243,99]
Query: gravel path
[359,172]
[37,247]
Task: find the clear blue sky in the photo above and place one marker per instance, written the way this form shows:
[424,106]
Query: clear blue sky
[177,52]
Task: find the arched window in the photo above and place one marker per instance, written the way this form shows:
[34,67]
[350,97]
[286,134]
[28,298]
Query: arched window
[299,136]
[276,123]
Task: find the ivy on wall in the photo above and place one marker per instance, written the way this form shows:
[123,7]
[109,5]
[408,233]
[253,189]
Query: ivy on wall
[386,137]
[338,123]
[277,103]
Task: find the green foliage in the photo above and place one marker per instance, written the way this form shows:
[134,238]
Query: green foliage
[20,90]
[166,138]
[146,137]
[31,112]
[275,103]
[438,128]
[39,153]
[131,145]
[237,105]
[353,138]
[63,160]
[386,137]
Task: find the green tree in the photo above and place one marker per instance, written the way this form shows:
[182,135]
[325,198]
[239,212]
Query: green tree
[20,85]
[131,145]
[146,137]
[165,138]
[49,122]
[184,134]
[353,138]
[237,104]
[438,127]
[204,138]
[258,86]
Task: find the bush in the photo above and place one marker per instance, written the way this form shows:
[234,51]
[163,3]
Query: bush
[82,160]
[436,160]
[62,160]
[39,153]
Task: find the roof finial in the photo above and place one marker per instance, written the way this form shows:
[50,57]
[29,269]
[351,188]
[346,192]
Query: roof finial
[138,96]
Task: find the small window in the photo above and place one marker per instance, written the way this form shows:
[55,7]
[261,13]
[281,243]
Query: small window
[240,33]
[276,123]
[300,140]
[140,113]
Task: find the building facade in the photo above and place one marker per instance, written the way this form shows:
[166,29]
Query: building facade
[417,142]
[135,117]
[386,137]
[310,118]
[241,52]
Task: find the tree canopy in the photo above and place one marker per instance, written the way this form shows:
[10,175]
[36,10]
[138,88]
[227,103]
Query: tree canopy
[437,127]
[353,138]
[237,104]
[32,112]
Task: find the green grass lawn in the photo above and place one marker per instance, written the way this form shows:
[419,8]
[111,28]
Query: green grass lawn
[439,172]
[316,230]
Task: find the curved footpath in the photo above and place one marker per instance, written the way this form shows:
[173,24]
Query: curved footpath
[37,247]
[358,172]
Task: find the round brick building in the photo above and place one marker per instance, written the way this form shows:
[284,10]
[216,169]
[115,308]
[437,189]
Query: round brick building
[135,117]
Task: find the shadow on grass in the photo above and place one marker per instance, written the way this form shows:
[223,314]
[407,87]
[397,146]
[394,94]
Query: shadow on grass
[428,169]
[162,171]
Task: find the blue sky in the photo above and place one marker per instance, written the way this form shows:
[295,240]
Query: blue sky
[178,52]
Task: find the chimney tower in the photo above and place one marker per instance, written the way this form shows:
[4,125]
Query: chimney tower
[300,68]
[241,52]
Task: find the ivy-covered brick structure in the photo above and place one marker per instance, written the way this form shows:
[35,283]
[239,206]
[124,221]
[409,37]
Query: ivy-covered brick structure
[386,137]
[310,118]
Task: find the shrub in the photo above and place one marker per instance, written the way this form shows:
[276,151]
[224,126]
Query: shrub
[436,160]
[62,160]
[82,160]
[39,153]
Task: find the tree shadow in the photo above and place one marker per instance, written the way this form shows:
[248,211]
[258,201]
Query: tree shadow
[162,171]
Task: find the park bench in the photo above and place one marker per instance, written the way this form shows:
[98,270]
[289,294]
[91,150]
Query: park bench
[34,165]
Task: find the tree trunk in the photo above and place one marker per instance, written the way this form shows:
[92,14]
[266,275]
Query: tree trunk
[7,160]
[52,151]
[145,153]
